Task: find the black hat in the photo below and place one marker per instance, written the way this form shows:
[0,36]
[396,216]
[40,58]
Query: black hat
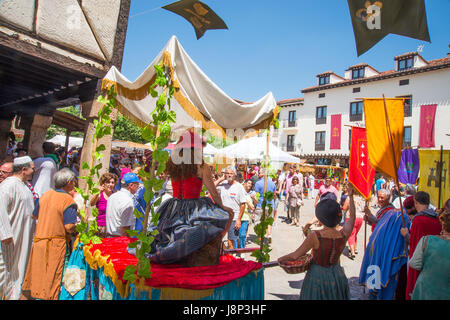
[329,212]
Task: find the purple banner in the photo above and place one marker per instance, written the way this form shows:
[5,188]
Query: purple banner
[408,171]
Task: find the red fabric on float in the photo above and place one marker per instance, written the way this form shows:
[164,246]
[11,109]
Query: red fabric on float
[172,275]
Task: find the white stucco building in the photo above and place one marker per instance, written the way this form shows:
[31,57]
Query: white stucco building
[305,123]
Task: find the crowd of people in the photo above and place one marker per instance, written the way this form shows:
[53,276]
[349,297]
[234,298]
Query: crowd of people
[40,208]
[397,263]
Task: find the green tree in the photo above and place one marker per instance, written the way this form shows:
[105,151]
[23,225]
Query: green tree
[54,130]
[126,130]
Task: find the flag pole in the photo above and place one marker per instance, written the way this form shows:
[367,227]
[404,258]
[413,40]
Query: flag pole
[391,142]
[440,177]
[365,237]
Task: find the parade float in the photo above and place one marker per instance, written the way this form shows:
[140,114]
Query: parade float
[185,98]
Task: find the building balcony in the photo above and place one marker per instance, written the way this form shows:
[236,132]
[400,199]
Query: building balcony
[291,148]
[289,125]
[319,147]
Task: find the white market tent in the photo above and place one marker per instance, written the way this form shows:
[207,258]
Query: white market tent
[73,141]
[198,102]
[255,148]
[210,150]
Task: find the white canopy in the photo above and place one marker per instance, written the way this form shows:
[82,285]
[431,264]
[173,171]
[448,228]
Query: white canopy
[73,141]
[255,149]
[198,101]
[209,149]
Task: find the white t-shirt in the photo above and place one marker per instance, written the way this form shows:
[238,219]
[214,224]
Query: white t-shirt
[281,178]
[311,181]
[119,212]
[232,196]
[44,170]
[300,179]
[396,202]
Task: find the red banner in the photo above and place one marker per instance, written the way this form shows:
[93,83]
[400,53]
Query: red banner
[335,140]
[427,115]
[360,173]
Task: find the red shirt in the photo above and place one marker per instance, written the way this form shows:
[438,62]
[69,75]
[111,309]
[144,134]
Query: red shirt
[421,226]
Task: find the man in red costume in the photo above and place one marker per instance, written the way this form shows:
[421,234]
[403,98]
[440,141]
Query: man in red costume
[425,222]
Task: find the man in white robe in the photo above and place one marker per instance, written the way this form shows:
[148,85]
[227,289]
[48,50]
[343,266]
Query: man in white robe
[45,169]
[16,208]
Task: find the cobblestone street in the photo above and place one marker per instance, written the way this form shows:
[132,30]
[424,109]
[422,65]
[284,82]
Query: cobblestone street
[280,285]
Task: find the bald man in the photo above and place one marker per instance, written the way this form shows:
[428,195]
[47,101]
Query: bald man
[6,170]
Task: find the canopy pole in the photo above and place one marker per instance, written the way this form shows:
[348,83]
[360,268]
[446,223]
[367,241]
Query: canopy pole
[440,177]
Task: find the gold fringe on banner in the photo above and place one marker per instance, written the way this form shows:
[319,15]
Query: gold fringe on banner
[191,110]
[97,260]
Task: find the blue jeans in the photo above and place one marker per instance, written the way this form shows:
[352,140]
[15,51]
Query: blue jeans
[242,235]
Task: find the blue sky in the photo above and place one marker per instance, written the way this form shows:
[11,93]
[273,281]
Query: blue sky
[278,46]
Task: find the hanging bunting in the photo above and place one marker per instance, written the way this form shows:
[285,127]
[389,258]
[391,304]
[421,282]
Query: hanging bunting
[198,14]
[373,20]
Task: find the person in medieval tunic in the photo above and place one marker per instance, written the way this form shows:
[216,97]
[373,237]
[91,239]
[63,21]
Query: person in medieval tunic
[383,202]
[50,251]
[190,226]
[16,208]
[385,255]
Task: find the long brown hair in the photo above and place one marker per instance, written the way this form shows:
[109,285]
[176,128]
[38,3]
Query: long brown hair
[183,170]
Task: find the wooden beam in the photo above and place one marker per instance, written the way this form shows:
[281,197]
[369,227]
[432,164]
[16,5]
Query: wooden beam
[21,64]
[121,33]
[43,55]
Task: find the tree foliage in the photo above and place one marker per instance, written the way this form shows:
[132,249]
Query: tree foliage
[124,129]
[54,130]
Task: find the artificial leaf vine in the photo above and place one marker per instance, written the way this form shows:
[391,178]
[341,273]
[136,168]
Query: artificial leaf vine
[262,254]
[158,133]
[88,229]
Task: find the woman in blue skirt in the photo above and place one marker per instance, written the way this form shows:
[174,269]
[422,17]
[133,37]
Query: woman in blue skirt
[326,280]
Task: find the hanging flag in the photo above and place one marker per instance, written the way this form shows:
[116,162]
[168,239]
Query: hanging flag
[427,116]
[408,171]
[335,140]
[429,175]
[198,14]
[373,20]
[384,129]
[360,173]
